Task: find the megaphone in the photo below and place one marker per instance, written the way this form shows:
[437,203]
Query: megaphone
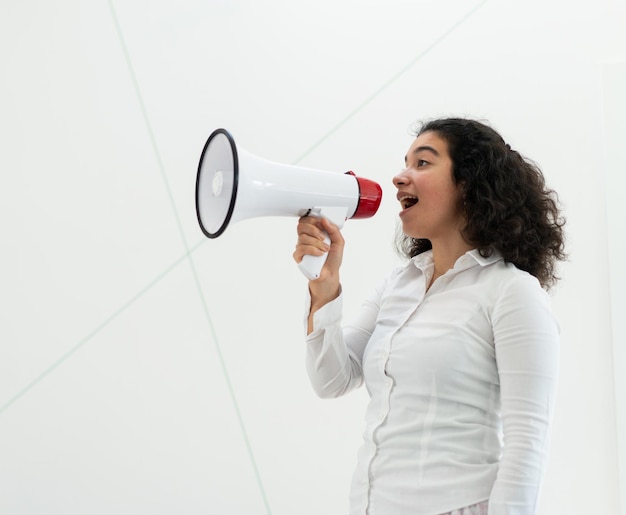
[233,185]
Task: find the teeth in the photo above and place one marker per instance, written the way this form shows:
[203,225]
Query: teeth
[407,201]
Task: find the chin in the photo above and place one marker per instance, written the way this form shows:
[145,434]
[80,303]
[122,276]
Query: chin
[412,233]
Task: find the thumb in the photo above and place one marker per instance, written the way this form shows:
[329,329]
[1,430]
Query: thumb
[337,242]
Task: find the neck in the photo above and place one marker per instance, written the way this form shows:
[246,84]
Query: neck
[445,255]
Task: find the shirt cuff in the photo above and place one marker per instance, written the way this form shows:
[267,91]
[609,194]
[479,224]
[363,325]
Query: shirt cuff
[329,314]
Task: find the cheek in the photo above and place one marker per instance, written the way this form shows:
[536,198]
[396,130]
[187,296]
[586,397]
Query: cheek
[447,200]
[441,193]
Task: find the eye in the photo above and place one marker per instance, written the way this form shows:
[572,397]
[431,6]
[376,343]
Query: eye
[421,162]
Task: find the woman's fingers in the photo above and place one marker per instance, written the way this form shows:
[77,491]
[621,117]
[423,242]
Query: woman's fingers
[309,245]
[311,226]
[311,238]
[316,237]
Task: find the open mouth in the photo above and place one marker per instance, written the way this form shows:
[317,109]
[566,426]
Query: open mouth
[408,201]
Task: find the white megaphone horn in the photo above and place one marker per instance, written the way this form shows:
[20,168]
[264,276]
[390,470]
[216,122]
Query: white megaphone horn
[233,185]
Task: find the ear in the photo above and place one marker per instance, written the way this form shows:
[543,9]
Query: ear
[461,188]
[462,195]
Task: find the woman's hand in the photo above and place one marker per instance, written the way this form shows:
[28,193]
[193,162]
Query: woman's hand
[311,242]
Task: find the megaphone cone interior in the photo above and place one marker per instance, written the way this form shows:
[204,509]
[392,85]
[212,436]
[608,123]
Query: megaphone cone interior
[216,183]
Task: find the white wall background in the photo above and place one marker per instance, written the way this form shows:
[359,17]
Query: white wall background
[147,370]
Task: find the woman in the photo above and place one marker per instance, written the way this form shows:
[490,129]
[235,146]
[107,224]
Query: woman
[458,349]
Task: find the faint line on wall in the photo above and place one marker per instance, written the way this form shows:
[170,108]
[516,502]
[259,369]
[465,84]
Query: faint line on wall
[389,82]
[188,255]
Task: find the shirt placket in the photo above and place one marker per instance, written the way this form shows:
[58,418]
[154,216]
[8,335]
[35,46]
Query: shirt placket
[387,384]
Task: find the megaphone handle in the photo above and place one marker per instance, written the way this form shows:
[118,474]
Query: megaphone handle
[311,266]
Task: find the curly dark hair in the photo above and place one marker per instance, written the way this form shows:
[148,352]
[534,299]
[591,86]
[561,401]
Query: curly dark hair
[505,199]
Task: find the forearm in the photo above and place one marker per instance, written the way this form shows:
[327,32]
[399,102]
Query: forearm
[311,241]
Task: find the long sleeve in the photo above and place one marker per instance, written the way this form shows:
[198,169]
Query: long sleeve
[526,338]
[334,353]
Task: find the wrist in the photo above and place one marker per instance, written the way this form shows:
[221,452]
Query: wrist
[322,296]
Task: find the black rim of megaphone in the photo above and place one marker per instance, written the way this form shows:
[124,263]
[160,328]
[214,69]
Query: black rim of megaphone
[233,196]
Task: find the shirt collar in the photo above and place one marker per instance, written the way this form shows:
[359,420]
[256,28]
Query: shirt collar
[467,260]
[482,261]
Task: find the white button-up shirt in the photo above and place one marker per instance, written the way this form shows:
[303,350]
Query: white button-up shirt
[461,380]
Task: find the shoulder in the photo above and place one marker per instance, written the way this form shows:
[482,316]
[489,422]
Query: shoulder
[504,278]
[520,299]
[519,283]
[505,288]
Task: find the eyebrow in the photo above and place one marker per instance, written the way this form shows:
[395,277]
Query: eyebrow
[422,148]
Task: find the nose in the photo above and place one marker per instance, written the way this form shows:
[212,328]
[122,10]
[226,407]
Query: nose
[400,179]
